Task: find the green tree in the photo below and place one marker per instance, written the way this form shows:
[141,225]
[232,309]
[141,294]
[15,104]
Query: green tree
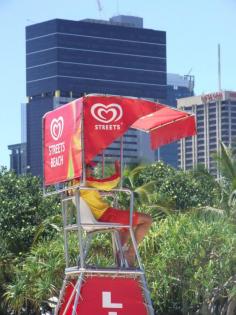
[22,210]
[40,276]
[227,165]
[157,172]
[192,253]
[207,188]
[226,159]
[141,190]
[173,189]
[37,278]
[193,256]
[190,189]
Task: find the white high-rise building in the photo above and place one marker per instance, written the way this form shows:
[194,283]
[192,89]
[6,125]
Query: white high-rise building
[216,121]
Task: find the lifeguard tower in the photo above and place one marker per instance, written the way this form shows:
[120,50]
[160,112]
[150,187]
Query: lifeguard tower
[74,134]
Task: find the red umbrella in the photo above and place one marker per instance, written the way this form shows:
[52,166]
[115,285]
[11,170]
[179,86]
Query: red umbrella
[105,118]
[166,125]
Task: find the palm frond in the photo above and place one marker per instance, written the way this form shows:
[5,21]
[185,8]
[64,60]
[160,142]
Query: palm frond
[212,210]
[142,194]
[226,162]
[232,199]
[233,183]
[145,191]
[160,208]
[53,222]
[130,174]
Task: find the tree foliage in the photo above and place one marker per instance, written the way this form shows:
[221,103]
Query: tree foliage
[195,188]
[193,251]
[176,189]
[22,209]
[192,255]
[226,159]
[37,278]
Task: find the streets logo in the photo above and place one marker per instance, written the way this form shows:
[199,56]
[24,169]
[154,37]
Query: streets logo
[108,115]
[56,127]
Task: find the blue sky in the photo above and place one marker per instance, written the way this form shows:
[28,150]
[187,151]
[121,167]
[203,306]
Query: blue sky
[194,29]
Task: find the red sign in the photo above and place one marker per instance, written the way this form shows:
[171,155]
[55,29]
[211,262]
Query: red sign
[212,97]
[62,143]
[107,118]
[105,296]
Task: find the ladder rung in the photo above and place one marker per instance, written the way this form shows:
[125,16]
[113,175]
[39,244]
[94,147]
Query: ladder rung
[96,227]
[115,271]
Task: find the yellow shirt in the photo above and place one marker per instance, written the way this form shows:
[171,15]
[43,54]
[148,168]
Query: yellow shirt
[93,198]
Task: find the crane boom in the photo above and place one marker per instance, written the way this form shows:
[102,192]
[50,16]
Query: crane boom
[99,5]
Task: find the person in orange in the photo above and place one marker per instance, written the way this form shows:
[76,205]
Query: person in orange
[103,212]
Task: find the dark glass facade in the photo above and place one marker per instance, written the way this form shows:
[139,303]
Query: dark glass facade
[77,57]
[18,158]
[35,111]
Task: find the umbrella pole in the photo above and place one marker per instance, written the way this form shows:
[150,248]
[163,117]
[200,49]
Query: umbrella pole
[82,146]
[121,161]
[103,164]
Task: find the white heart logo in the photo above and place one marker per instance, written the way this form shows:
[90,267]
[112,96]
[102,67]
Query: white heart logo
[56,127]
[106,113]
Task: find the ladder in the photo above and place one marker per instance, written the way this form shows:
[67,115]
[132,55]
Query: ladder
[84,280]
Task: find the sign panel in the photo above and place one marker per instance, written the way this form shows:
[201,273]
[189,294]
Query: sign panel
[107,118]
[62,143]
[105,296]
[212,97]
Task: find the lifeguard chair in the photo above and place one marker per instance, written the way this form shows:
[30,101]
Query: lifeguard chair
[74,134]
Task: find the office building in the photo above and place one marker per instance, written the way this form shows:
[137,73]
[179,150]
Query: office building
[66,59]
[216,121]
[18,154]
[177,87]
[18,162]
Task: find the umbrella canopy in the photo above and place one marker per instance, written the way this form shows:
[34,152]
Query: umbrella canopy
[107,118]
[166,125]
[90,124]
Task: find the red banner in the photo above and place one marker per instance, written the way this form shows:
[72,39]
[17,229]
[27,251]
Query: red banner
[62,143]
[107,118]
[105,296]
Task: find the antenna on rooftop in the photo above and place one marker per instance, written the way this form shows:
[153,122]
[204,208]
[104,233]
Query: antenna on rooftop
[219,69]
[189,71]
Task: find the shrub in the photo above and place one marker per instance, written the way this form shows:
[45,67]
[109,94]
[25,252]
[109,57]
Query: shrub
[192,255]
[176,189]
[22,209]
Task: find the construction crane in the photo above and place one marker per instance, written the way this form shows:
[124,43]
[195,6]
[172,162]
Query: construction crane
[99,6]
[191,81]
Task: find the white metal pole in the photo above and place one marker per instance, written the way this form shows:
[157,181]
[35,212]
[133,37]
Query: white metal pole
[219,68]
[83,145]
[121,161]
